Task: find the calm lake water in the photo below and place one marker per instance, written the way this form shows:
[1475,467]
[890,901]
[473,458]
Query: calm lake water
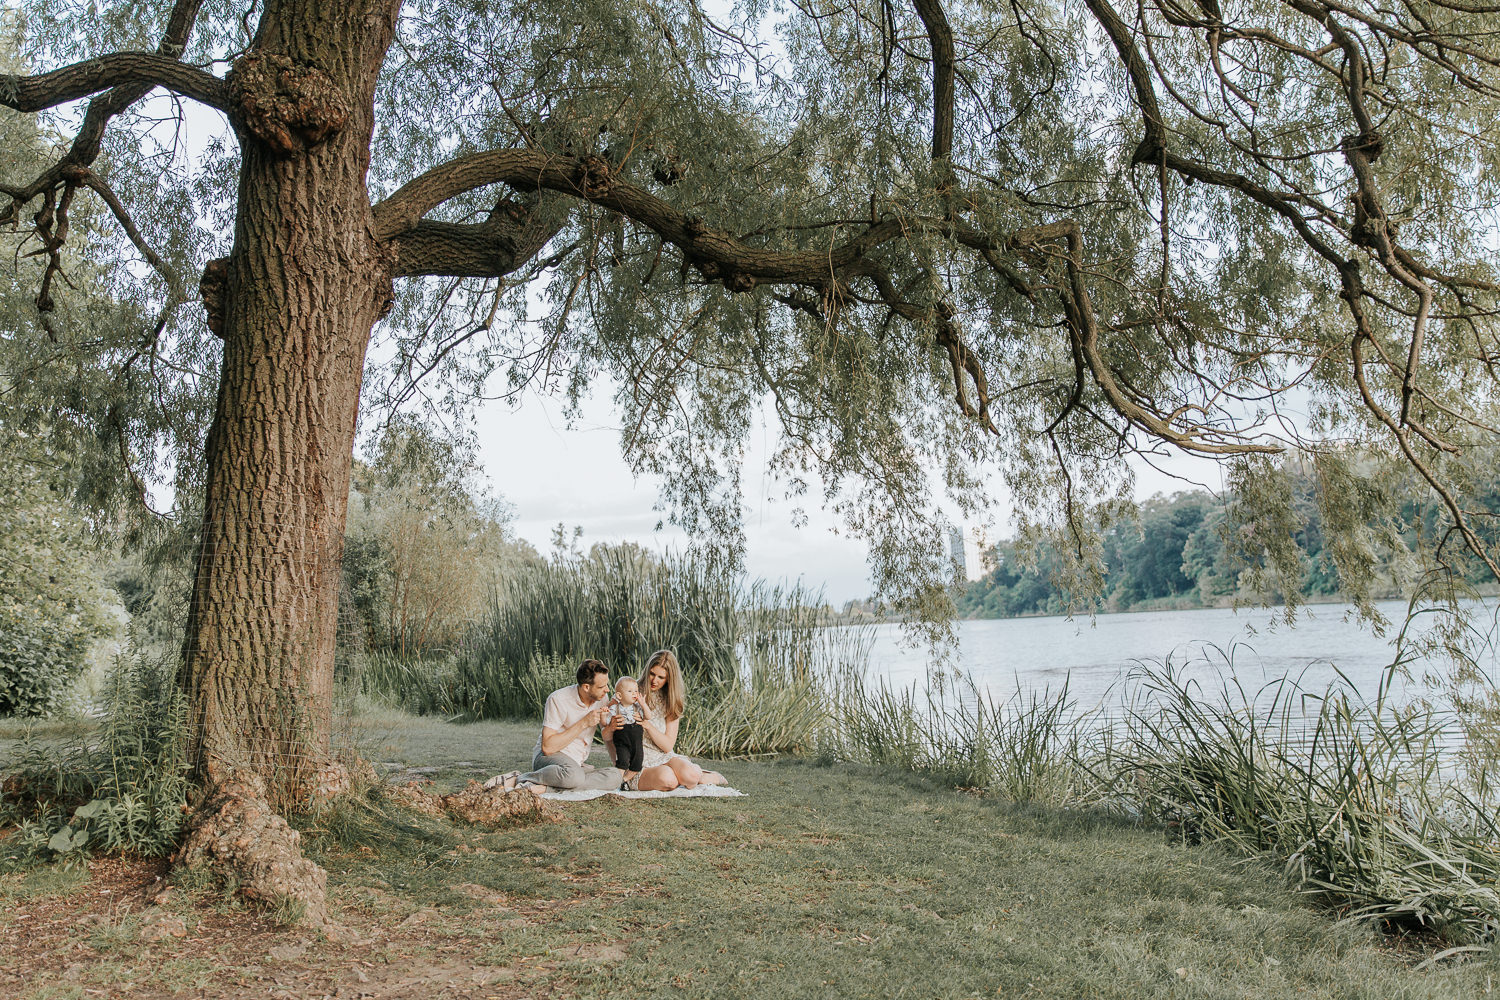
[1093,656]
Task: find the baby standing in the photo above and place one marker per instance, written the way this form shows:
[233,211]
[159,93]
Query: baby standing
[628,739]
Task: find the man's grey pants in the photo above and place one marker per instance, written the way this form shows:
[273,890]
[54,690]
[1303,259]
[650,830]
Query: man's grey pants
[558,771]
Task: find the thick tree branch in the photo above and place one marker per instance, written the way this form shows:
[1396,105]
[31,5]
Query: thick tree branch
[962,361]
[492,249]
[133,69]
[940,36]
[1154,140]
[86,143]
[718,256]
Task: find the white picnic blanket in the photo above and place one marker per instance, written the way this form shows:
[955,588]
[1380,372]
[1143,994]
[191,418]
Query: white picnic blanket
[583,794]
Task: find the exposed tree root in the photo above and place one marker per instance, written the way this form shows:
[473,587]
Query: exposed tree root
[237,836]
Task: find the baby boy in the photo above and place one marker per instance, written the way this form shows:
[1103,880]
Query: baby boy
[629,750]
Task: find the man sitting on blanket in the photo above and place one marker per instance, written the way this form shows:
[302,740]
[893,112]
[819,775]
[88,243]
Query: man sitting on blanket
[568,723]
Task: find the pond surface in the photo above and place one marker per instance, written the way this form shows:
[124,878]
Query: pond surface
[1327,646]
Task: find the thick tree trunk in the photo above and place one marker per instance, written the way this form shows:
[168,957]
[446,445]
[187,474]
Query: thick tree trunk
[303,286]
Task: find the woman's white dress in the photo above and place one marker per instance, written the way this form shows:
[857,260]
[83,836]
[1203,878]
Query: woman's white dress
[652,755]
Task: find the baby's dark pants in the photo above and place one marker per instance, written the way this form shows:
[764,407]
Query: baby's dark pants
[630,752]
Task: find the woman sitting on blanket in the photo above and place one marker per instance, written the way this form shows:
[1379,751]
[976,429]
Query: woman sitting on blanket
[660,707]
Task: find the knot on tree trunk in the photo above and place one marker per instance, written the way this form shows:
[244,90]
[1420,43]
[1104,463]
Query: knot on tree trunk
[237,836]
[594,176]
[1369,144]
[739,281]
[211,289]
[289,107]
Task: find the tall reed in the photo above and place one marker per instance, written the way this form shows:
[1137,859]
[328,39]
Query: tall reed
[757,658]
[1026,747]
[1365,806]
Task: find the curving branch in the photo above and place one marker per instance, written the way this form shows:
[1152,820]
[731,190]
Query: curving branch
[135,70]
[963,363]
[98,185]
[1064,240]
[1153,141]
[1371,229]
[718,256]
[101,110]
[511,237]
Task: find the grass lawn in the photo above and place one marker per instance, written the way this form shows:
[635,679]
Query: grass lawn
[821,881]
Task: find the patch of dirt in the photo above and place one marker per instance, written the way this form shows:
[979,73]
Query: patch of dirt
[475,804]
[112,938]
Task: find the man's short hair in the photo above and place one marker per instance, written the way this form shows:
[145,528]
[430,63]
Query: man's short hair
[588,668]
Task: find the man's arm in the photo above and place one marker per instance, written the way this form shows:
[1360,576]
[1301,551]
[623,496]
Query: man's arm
[554,740]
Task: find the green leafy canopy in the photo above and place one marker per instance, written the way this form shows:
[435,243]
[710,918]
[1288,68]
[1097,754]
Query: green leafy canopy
[935,239]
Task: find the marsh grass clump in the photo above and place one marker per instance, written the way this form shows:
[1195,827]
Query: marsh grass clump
[1368,807]
[1026,748]
[419,685]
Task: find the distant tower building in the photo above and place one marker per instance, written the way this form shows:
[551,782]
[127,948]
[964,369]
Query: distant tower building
[957,553]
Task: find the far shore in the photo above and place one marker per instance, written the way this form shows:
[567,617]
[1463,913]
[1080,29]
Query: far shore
[1148,607]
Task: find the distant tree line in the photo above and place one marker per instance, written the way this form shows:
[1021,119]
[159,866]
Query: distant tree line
[1189,550]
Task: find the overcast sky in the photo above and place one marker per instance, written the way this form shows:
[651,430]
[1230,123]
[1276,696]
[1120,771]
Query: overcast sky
[550,474]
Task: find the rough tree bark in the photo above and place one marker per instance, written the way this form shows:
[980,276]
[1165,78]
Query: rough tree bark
[295,303]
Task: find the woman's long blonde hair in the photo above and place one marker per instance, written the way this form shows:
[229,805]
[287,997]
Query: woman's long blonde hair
[669,700]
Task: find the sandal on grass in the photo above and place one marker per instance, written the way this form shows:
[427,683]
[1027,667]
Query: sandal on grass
[507,782]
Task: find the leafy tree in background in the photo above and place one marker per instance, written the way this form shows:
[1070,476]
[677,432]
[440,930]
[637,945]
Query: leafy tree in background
[946,236]
[52,609]
[425,542]
[51,603]
[1190,550]
[1152,562]
[82,360]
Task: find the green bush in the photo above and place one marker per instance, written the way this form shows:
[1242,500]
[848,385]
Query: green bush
[121,788]
[51,603]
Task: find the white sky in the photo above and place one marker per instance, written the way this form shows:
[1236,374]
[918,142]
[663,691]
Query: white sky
[550,473]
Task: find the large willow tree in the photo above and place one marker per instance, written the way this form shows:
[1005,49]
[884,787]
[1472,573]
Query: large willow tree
[941,238]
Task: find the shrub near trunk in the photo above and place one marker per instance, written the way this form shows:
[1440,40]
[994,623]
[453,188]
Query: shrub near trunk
[51,604]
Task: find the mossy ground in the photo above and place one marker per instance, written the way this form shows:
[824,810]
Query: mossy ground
[822,881]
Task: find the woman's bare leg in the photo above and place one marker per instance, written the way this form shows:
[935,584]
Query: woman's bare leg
[688,773]
[691,775]
[657,779]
